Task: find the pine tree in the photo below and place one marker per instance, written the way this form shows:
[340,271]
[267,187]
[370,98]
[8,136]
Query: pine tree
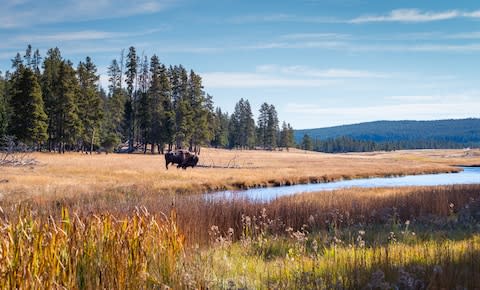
[268,129]
[234,127]
[272,128]
[28,57]
[51,94]
[220,125]
[163,120]
[242,126]
[168,118]
[262,124]
[68,123]
[202,108]
[284,136]
[28,120]
[112,132]
[36,62]
[3,107]
[156,106]
[182,106]
[17,62]
[290,136]
[130,105]
[90,104]
[114,77]
[248,126]
[307,143]
[144,107]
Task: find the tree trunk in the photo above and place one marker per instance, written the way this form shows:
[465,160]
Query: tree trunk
[91,143]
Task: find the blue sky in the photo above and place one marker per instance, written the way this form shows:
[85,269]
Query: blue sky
[320,62]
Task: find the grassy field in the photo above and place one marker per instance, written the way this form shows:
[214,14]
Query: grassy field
[79,173]
[122,221]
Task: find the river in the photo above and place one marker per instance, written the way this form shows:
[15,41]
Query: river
[469,175]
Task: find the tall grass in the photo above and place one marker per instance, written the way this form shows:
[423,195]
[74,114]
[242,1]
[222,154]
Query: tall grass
[439,207]
[425,265]
[348,239]
[92,252]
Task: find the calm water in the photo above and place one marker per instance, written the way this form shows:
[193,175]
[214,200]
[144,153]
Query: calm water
[469,175]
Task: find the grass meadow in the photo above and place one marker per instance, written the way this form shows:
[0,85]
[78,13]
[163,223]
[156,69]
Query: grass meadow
[124,222]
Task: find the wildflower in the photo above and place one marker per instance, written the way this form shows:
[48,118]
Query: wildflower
[264,213]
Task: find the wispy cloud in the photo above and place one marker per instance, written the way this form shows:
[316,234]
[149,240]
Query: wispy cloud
[406,15]
[81,35]
[329,116]
[317,36]
[280,17]
[284,76]
[305,71]
[258,80]
[294,44]
[415,16]
[436,99]
[450,48]
[361,46]
[25,13]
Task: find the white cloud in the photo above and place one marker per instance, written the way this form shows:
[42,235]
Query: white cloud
[328,36]
[329,116]
[473,47]
[80,36]
[271,75]
[398,15]
[258,80]
[280,17]
[415,15]
[295,45]
[25,13]
[306,71]
[436,99]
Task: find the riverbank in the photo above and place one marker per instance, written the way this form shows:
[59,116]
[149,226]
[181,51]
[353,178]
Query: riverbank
[74,173]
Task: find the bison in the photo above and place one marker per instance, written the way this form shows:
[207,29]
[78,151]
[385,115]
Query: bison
[182,158]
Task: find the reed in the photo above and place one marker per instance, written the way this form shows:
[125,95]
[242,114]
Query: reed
[92,222]
[90,252]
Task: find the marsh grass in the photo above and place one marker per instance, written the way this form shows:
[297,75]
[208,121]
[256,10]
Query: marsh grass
[91,252]
[97,222]
[425,265]
[348,239]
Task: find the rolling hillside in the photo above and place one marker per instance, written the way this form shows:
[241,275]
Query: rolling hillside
[462,131]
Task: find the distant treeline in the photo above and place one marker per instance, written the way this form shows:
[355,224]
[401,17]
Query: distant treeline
[48,104]
[347,144]
[393,135]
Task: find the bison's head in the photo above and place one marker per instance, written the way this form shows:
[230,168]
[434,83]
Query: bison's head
[194,160]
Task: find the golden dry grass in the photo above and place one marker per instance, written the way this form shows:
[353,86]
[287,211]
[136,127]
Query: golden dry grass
[75,173]
[103,194]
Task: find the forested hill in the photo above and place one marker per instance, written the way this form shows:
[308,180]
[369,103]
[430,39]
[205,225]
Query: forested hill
[462,131]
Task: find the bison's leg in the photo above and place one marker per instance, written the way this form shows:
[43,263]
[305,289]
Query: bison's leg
[166,164]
